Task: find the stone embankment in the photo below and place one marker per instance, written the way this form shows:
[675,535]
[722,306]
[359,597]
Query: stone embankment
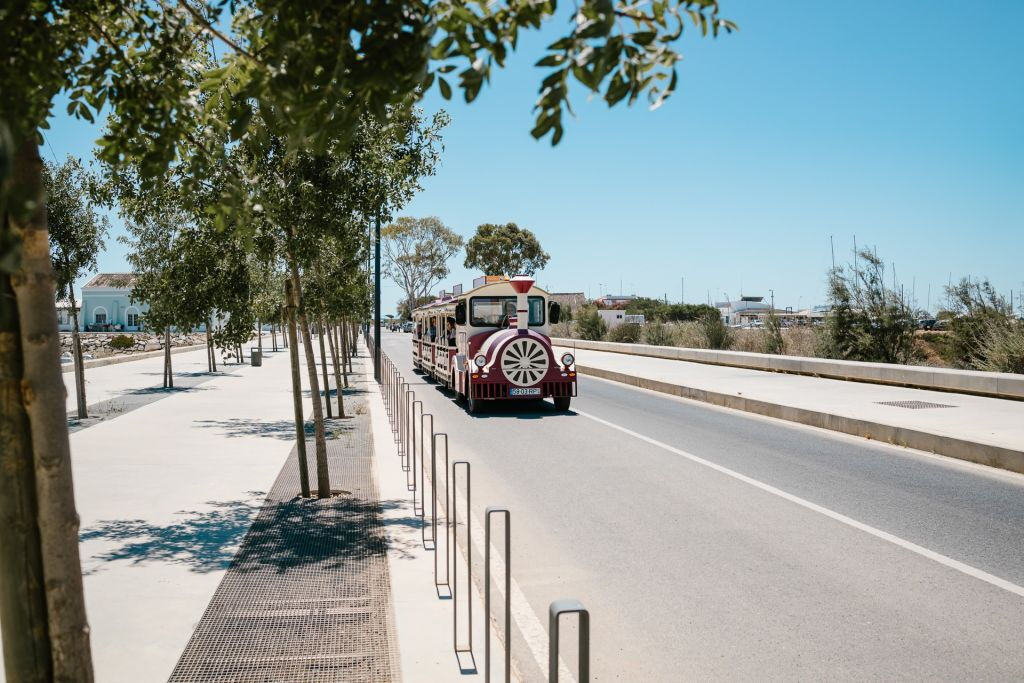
[97,344]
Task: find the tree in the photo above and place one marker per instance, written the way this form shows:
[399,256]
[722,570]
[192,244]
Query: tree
[976,312]
[868,321]
[505,250]
[404,313]
[590,325]
[76,237]
[306,66]
[415,254]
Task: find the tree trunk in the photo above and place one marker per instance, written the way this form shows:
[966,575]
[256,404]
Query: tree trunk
[323,366]
[209,349]
[76,352]
[259,335]
[300,422]
[323,475]
[43,400]
[273,336]
[343,338]
[26,647]
[331,330]
[168,376]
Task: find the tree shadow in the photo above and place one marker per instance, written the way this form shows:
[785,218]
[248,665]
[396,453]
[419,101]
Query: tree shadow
[204,541]
[274,429]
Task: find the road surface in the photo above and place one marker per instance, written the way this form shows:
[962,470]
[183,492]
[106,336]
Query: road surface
[713,544]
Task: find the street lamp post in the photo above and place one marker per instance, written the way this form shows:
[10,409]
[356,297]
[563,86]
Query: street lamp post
[376,300]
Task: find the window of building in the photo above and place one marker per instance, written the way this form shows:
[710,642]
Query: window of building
[132,319]
[100,316]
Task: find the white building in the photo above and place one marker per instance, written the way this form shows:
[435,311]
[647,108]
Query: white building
[617,316]
[744,311]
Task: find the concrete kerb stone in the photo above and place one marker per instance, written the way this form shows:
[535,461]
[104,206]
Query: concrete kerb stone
[114,360]
[991,384]
[962,449]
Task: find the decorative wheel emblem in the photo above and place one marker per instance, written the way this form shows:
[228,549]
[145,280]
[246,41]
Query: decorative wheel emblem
[524,362]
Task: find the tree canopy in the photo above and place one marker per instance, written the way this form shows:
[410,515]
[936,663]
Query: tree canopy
[505,249]
[415,254]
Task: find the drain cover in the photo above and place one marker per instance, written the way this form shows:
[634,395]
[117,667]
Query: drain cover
[914,405]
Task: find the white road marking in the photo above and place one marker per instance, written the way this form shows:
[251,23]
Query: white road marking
[843,519]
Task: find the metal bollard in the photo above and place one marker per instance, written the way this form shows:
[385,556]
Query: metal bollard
[412,469]
[407,421]
[423,464]
[455,557]
[433,506]
[557,609]
[491,510]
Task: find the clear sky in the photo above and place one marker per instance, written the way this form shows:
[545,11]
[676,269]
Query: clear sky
[898,123]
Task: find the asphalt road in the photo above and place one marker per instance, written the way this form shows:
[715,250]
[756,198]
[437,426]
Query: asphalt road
[712,544]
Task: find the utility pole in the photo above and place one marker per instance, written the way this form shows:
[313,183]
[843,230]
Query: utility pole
[772,291]
[376,301]
[832,244]
[682,290]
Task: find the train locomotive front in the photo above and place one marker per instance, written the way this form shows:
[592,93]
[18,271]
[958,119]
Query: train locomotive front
[493,344]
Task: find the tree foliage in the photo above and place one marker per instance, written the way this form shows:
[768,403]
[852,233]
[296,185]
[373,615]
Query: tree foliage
[505,249]
[656,309]
[868,321]
[76,229]
[415,254]
[590,325]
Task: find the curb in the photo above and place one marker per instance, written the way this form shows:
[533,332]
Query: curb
[983,454]
[114,360]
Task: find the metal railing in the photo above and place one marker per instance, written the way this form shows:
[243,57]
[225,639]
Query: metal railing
[411,444]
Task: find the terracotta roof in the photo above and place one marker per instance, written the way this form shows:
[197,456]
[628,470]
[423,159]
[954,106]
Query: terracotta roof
[115,280]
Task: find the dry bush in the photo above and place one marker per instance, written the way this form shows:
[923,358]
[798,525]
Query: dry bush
[689,335]
[800,341]
[747,340]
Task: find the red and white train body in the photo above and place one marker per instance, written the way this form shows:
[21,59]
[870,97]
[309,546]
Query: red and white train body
[493,343]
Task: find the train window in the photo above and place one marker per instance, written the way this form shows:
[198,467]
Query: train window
[494,311]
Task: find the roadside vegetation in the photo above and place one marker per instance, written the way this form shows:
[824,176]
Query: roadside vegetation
[870,320]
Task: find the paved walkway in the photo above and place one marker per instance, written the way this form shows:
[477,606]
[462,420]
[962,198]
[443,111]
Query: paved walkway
[964,425]
[165,494]
[307,597]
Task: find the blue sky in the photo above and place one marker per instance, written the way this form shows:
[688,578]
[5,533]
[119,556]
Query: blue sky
[899,123]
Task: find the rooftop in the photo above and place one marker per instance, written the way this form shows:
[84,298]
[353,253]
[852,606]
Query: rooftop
[115,280]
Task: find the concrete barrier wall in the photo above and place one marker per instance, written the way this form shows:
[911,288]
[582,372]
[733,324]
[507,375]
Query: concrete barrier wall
[994,384]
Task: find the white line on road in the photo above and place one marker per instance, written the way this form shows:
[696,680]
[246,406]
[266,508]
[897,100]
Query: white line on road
[877,533]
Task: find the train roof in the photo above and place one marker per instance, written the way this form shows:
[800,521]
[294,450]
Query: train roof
[452,299]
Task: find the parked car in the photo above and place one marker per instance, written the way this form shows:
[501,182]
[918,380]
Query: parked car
[926,323]
[407,326]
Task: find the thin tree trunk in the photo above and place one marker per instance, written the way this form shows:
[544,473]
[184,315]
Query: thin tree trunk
[323,475]
[331,330]
[76,353]
[43,400]
[323,366]
[26,646]
[300,422]
[273,336]
[344,351]
[209,349]
[259,335]
[168,370]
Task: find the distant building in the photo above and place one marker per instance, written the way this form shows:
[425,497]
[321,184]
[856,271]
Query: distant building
[65,323]
[107,304]
[614,317]
[615,300]
[743,311]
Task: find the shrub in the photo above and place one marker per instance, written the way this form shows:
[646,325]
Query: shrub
[627,333]
[716,334]
[771,335]
[802,341]
[121,342]
[590,325]
[690,335]
[979,319]
[658,334]
[1001,347]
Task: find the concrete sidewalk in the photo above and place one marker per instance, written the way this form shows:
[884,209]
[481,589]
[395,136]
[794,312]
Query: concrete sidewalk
[982,430]
[165,494]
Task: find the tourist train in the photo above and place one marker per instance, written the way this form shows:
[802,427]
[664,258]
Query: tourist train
[492,343]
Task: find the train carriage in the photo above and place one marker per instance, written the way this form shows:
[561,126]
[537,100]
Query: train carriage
[492,343]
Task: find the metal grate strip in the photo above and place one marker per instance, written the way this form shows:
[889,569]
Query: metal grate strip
[307,596]
[914,405]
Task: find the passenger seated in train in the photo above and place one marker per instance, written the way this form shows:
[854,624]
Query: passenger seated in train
[450,331]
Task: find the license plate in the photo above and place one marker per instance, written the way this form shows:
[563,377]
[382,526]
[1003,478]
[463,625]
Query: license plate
[524,392]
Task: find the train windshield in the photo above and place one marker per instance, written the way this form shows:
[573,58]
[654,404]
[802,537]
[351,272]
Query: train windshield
[494,311]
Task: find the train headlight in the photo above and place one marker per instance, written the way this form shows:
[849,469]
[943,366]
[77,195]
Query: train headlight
[480,361]
[567,359]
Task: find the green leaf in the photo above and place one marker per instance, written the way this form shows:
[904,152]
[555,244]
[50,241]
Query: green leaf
[446,90]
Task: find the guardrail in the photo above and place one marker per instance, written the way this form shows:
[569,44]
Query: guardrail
[400,406]
[992,384]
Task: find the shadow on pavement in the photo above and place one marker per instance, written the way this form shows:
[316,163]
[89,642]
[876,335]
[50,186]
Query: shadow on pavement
[205,541]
